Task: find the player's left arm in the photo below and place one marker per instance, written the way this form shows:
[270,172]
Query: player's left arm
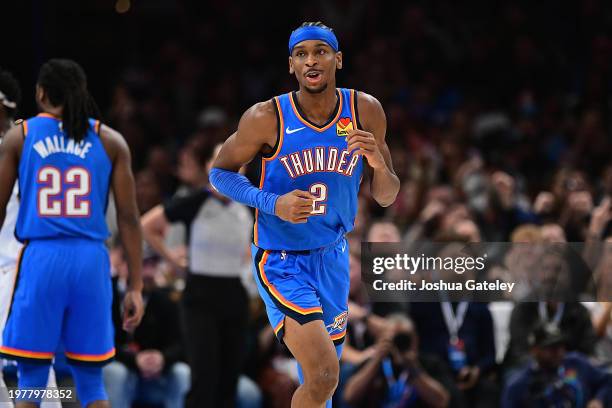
[10,149]
[371,143]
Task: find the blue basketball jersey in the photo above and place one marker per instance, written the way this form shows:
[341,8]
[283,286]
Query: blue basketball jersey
[315,159]
[63,185]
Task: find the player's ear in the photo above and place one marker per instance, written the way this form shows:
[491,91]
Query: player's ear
[291,70]
[40,93]
[339,60]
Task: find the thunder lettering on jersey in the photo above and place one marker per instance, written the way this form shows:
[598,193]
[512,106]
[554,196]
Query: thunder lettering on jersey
[311,158]
[63,184]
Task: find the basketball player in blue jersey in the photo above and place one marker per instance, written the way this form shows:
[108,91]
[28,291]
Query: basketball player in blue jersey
[66,163]
[312,144]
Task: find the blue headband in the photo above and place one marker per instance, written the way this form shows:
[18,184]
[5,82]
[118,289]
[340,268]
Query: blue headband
[313,33]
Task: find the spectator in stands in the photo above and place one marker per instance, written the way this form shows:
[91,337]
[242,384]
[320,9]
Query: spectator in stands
[571,318]
[555,378]
[397,375]
[598,251]
[461,335]
[215,303]
[148,366]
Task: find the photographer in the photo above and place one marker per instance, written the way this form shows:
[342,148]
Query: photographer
[556,378]
[396,375]
[461,335]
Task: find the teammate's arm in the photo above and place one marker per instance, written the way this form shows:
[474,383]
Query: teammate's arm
[371,143]
[256,134]
[128,220]
[10,149]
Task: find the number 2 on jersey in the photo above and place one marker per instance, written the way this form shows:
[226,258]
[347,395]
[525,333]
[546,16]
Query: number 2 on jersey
[319,191]
[72,204]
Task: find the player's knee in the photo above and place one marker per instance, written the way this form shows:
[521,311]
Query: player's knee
[324,380]
[32,375]
[89,384]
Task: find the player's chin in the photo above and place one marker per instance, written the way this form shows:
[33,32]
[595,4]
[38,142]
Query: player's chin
[315,89]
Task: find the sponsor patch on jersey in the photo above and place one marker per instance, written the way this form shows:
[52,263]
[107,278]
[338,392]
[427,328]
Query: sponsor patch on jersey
[339,323]
[343,126]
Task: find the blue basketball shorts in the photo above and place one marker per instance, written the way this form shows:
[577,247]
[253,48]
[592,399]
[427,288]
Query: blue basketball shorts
[62,293]
[306,286]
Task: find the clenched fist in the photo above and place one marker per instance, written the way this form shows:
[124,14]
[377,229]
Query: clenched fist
[295,206]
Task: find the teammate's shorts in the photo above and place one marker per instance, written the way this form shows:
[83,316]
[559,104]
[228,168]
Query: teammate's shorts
[7,279]
[306,286]
[62,292]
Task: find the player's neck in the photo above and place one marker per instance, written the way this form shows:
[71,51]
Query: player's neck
[318,107]
[52,110]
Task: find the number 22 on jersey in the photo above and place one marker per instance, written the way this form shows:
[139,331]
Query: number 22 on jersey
[62,194]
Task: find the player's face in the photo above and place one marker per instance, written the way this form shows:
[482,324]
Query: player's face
[314,64]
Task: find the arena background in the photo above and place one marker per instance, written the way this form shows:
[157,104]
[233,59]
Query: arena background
[498,111]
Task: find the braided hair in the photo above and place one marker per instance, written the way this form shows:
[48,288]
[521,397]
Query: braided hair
[316,24]
[65,84]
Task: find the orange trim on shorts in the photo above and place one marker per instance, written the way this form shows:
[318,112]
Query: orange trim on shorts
[304,121]
[279,327]
[278,296]
[26,353]
[91,357]
[338,336]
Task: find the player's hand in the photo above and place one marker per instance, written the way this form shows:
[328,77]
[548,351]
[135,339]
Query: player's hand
[365,144]
[133,309]
[295,206]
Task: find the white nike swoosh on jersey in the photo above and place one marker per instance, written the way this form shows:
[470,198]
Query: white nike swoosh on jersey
[290,131]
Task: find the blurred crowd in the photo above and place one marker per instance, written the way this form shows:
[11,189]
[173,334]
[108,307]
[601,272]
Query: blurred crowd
[499,128]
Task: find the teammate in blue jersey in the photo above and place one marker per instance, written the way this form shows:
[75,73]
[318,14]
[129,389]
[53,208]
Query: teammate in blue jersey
[312,145]
[66,163]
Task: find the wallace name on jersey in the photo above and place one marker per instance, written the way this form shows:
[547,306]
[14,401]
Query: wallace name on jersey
[58,144]
[319,159]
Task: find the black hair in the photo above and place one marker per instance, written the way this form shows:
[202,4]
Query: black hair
[11,90]
[316,24]
[65,84]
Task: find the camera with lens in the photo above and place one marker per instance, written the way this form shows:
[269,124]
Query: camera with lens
[402,341]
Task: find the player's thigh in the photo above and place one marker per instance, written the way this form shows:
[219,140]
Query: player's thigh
[88,328]
[38,301]
[334,285]
[311,345]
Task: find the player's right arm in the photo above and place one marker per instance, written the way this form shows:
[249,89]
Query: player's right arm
[256,133]
[10,149]
[128,220]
